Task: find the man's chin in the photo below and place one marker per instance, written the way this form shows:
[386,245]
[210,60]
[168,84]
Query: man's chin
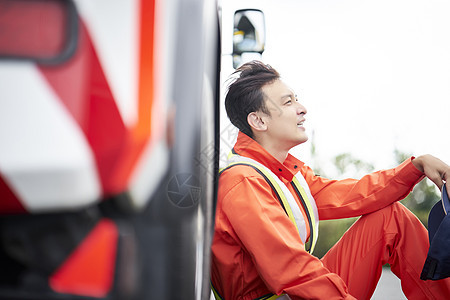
[302,140]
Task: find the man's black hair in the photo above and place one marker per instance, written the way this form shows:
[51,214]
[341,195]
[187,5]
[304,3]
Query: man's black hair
[245,94]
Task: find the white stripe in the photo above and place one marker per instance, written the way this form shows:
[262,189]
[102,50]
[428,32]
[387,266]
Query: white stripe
[114,28]
[148,172]
[311,200]
[43,154]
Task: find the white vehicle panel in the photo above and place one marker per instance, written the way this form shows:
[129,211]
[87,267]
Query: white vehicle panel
[47,161]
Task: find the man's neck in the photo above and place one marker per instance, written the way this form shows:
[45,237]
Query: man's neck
[275,150]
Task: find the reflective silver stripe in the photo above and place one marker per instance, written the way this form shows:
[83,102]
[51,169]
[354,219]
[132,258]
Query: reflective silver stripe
[311,200]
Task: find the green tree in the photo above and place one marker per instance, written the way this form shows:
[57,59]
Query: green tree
[330,231]
[345,162]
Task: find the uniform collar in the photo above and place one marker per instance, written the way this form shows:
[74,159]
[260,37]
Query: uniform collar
[248,147]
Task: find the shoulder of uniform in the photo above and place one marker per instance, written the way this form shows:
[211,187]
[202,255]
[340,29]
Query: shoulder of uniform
[240,171]
[237,174]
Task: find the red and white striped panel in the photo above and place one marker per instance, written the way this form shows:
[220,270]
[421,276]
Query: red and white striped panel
[75,133]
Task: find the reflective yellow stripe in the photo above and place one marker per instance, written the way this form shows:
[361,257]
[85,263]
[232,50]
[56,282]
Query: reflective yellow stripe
[276,187]
[309,210]
[274,297]
[216,294]
[230,154]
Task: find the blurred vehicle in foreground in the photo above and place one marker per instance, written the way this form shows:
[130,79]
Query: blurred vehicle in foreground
[108,138]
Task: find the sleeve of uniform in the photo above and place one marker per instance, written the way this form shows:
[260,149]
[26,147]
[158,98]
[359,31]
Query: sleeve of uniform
[350,197]
[274,244]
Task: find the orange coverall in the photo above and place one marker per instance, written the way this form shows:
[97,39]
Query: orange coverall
[256,249]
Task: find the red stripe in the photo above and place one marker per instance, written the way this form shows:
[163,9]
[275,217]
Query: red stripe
[89,270]
[82,87]
[140,133]
[10,204]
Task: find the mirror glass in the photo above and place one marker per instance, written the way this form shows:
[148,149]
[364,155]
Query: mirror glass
[37,30]
[249,31]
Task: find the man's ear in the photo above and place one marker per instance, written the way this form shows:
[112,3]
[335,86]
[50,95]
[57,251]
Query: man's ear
[256,122]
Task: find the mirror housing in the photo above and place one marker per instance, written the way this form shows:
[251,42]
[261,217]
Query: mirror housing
[249,35]
[43,31]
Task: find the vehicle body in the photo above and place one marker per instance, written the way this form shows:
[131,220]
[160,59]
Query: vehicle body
[108,131]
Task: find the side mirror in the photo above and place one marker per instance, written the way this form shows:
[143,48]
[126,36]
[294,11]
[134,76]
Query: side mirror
[43,31]
[249,37]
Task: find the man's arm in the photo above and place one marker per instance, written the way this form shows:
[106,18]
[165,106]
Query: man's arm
[354,197]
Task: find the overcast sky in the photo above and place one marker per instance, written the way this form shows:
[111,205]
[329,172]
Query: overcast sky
[374,75]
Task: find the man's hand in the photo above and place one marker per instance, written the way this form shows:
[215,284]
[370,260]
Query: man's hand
[435,169]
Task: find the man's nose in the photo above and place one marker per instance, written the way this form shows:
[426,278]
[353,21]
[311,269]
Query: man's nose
[301,110]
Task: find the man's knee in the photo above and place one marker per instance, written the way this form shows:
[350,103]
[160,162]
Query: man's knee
[395,208]
[392,218]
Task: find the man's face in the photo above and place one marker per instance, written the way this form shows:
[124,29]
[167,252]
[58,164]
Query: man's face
[285,123]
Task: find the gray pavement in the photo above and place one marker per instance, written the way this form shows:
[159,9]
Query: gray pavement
[388,287]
